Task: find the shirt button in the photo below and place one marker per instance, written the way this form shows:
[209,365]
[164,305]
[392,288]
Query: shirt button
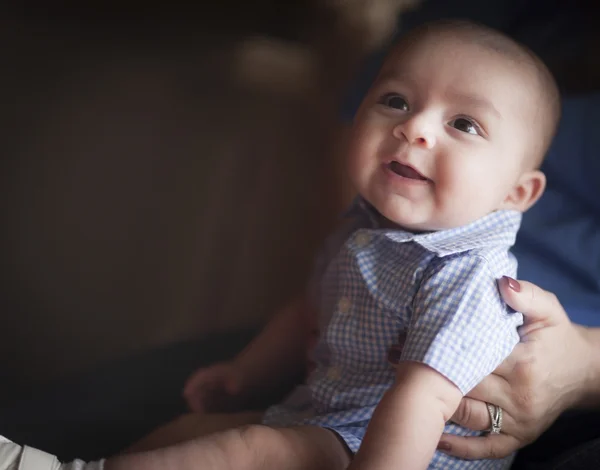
[334,373]
[362,239]
[344,305]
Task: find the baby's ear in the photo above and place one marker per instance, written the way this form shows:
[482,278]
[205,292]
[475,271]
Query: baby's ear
[526,192]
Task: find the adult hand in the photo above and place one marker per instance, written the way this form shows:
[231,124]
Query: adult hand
[545,374]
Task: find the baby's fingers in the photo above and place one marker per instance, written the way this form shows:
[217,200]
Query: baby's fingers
[204,379]
[195,402]
[194,381]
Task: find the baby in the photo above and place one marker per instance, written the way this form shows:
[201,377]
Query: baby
[444,154]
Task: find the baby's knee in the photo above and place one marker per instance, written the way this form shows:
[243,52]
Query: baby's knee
[297,448]
[256,447]
[260,439]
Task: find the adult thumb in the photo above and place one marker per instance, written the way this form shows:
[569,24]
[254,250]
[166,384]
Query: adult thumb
[536,304]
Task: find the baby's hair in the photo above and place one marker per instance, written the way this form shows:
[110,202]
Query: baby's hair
[550,107]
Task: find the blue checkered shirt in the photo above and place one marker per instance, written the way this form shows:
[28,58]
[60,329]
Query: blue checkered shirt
[432,297]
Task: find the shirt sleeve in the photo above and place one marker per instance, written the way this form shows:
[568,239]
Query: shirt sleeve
[459,324]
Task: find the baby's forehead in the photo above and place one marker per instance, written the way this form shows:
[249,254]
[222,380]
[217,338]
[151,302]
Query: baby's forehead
[459,66]
[501,62]
[459,47]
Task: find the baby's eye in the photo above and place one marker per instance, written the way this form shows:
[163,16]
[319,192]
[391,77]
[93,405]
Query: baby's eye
[395,101]
[465,125]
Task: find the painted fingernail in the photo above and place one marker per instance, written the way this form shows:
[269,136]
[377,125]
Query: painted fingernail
[444,446]
[513,284]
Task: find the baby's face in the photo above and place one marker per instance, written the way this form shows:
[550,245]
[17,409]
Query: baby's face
[444,135]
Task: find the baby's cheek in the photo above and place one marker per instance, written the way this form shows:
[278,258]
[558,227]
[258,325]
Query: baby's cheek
[356,168]
[452,208]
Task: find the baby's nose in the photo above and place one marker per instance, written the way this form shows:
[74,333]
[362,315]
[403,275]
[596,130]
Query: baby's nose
[415,133]
[425,140]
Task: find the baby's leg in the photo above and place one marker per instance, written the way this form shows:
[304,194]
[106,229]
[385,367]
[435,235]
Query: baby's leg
[193,425]
[254,447]
[260,447]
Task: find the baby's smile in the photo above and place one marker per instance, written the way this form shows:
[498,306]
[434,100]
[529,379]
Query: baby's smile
[405,171]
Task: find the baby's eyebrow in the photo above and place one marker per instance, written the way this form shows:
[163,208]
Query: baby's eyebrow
[393,76]
[475,101]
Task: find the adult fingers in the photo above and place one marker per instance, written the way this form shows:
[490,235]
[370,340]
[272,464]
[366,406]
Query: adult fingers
[491,446]
[493,389]
[536,304]
[474,415]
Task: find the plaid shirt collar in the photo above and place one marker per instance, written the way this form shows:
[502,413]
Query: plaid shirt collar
[496,229]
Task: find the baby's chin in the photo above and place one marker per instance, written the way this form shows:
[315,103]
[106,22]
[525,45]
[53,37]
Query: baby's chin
[422,216]
[399,212]
[406,220]
[416,220]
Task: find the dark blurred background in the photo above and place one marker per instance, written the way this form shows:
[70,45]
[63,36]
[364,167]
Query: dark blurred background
[145,198]
[154,193]
[167,173]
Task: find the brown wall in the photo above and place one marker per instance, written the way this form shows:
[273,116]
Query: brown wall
[144,199]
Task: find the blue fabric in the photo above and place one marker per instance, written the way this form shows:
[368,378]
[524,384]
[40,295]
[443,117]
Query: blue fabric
[432,296]
[558,246]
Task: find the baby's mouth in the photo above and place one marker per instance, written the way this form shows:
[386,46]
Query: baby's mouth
[406,171]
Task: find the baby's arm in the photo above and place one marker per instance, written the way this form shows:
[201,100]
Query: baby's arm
[408,422]
[267,367]
[460,331]
[278,353]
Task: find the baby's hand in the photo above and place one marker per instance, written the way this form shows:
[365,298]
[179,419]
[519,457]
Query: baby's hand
[216,388]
